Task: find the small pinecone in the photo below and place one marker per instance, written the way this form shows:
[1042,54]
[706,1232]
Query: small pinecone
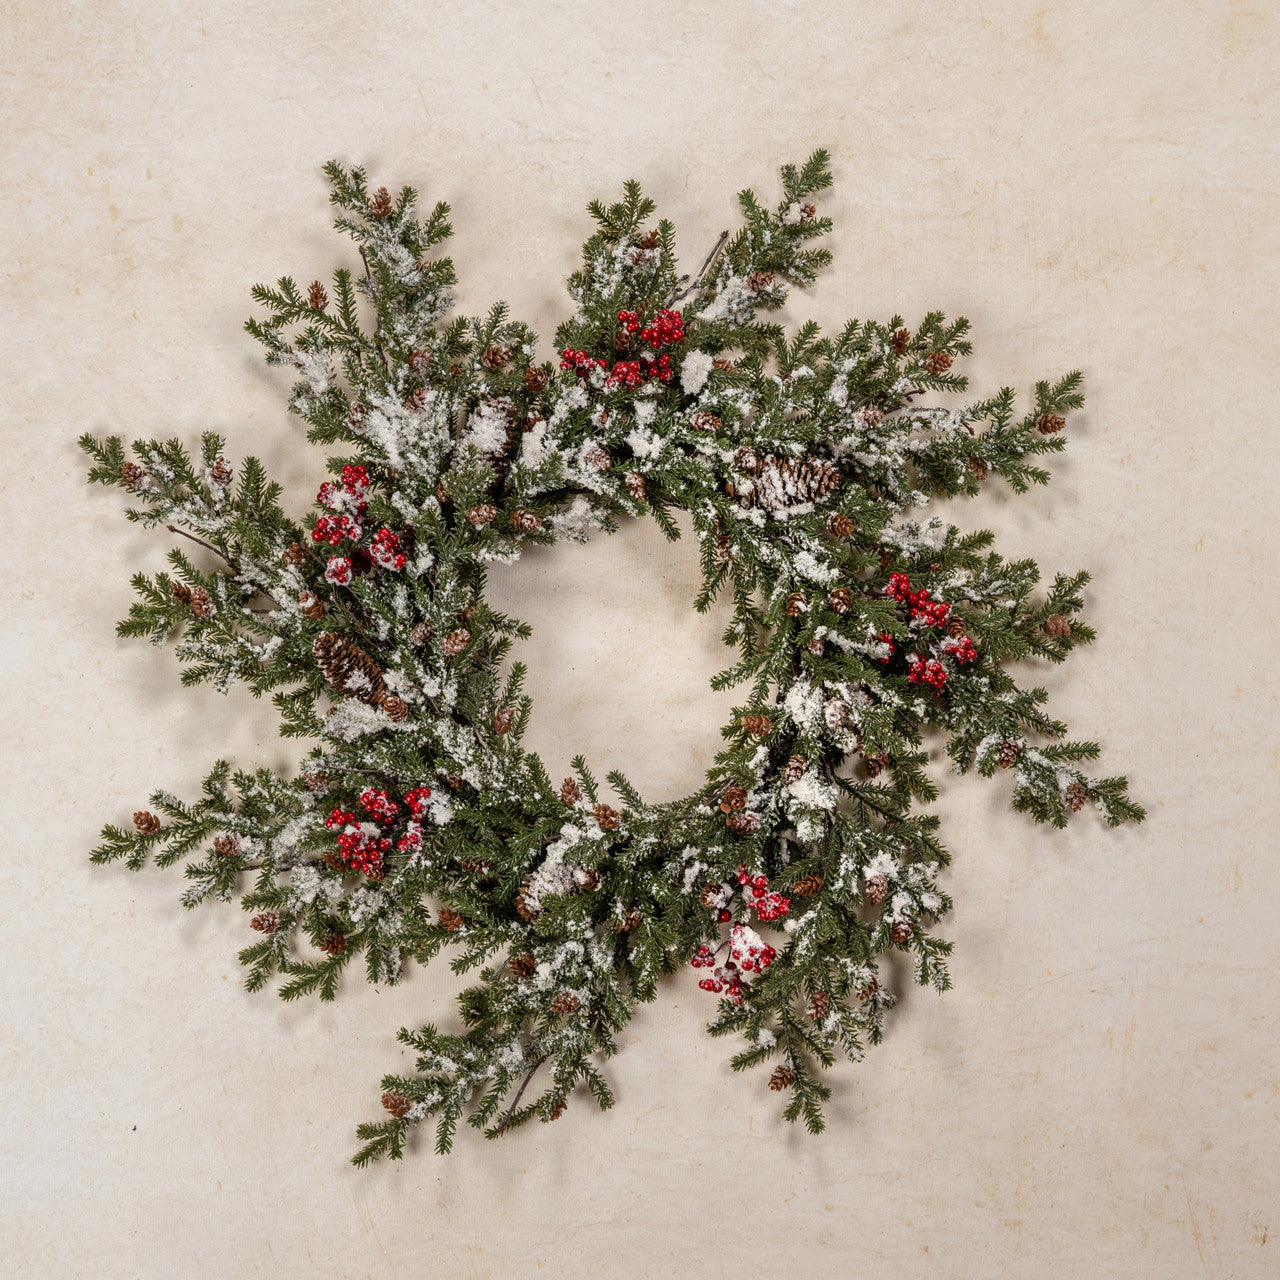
[442,493]
[723,366]
[1009,752]
[955,627]
[840,598]
[457,369]
[566,1002]
[265,922]
[146,822]
[132,475]
[597,458]
[295,553]
[418,400]
[872,415]
[782,1078]
[876,763]
[937,362]
[635,485]
[228,846]
[606,817]
[496,357]
[808,887]
[311,605]
[380,206]
[901,931]
[454,643]
[1057,626]
[868,989]
[558,1110]
[817,646]
[743,824]
[796,604]
[524,520]
[724,549]
[421,633]
[535,379]
[877,889]
[1076,795]
[808,212]
[317,299]
[396,1103]
[886,557]
[452,781]
[900,341]
[628,922]
[334,861]
[341,660]
[451,920]
[181,592]
[758,726]
[710,895]
[590,881]
[316,783]
[201,603]
[758,281]
[482,515]
[419,361]
[474,866]
[818,1006]
[220,473]
[839,526]
[794,769]
[334,944]
[734,800]
[468,615]
[835,713]
[503,719]
[522,966]
[355,417]
[704,421]
[979,468]
[1048,424]
[570,792]
[747,460]
[395,709]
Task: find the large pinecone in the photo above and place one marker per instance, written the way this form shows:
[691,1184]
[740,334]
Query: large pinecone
[348,668]
[787,482]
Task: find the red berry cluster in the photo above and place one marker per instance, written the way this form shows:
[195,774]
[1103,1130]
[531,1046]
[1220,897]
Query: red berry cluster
[925,612]
[961,649]
[348,500]
[379,805]
[361,845]
[339,570]
[922,606]
[922,670]
[348,494]
[886,638]
[356,847]
[584,364]
[386,550]
[664,330]
[417,800]
[332,529]
[767,904]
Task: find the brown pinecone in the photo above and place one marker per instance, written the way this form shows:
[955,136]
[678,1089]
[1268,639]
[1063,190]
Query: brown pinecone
[839,526]
[442,493]
[334,944]
[418,400]
[132,475]
[1009,752]
[808,212]
[468,615]
[265,922]
[522,966]
[317,299]
[558,1110]
[628,922]
[877,889]
[796,604]
[316,782]
[228,846]
[901,931]
[782,1078]
[570,792]
[758,726]
[396,1103]
[789,482]
[711,894]
[421,633]
[817,646]
[454,643]
[201,603]
[494,358]
[380,206]
[220,473]
[355,417]
[180,591]
[743,824]
[606,817]
[395,709]
[747,460]
[474,866]
[503,719]
[334,861]
[419,361]
[807,886]
[535,379]
[758,281]
[818,1006]
[1048,424]
[724,548]
[876,763]
[450,919]
[840,598]
[734,800]
[524,520]
[886,557]
[1076,795]
[1057,626]
[348,668]
[835,713]
[868,989]
[955,627]
[794,769]
[635,485]
[591,880]
[722,366]
[295,553]
[566,1002]
[146,822]
[937,362]
[482,515]
[311,605]
[597,458]
[900,341]
[704,421]
[872,415]
[979,468]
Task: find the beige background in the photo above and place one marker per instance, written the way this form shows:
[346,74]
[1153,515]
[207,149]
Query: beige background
[1092,185]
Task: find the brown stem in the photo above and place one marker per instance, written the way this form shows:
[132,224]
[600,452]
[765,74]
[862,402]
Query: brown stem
[677,294]
[182,533]
[515,1104]
[377,314]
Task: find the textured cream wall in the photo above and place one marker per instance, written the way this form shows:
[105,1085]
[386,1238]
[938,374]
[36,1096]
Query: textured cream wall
[1093,184]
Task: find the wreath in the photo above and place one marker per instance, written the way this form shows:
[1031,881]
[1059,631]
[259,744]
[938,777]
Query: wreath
[862,629]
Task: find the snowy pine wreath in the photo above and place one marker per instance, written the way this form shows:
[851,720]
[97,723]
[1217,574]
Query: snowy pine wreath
[419,823]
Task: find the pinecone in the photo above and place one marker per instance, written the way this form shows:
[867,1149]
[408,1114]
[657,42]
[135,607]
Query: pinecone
[900,341]
[524,521]
[442,493]
[711,895]
[1048,424]
[724,549]
[979,469]
[758,726]
[722,366]
[808,212]
[570,792]
[1076,795]
[494,358]
[347,667]
[558,1110]
[201,603]
[220,473]
[901,930]
[955,627]
[228,846]
[839,526]
[628,922]
[132,475]
[316,783]
[451,920]
[334,861]
[395,709]
[818,1006]
[468,615]
[396,1103]
[503,719]
[872,415]
[817,646]
[808,887]
[868,989]
[355,417]
[482,515]
[1057,626]
[782,1078]
[796,604]
[317,299]
[840,598]
[876,763]
[419,361]
[734,800]
[704,421]
[788,482]
[876,889]
[380,206]
[418,399]
[180,591]
[522,966]
[1009,752]
[474,866]
[758,281]
[265,922]
[565,1002]
[334,944]
[294,554]
[635,485]
[421,633]
[146,822]
[747,460]
[835,713]
[597,458]
[311,605]
[937,362]
[535,379]
[606,817]
[794,769]
[590,881]
[454,643]
[743,824]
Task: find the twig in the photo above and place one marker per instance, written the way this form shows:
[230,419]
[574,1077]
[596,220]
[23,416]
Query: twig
[377,314]
[182,533]
[679,293]
[515,1104]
